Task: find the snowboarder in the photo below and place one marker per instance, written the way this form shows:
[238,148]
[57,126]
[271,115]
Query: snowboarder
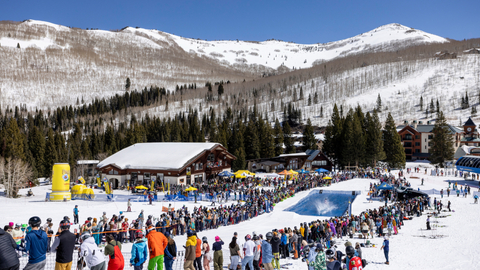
[475,199]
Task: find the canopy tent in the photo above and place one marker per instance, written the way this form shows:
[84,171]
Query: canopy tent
[285,172]
[246,172]
[190,189]
[273,175]
[384,186]
[327,178]
[302,171]
[141,187]
[322,170]
[292,171]
[225,174]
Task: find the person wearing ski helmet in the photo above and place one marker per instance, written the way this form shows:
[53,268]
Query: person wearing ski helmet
[248,248]
[353,262]
[190,250]
[90,253]
[114,250]
[332,262]
[157,242]
[64,245]
[36,245]
[139,251]
[320,262]
[267,255]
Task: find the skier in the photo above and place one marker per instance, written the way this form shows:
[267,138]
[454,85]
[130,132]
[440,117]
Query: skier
[332,262]
[129,206]
[475,197]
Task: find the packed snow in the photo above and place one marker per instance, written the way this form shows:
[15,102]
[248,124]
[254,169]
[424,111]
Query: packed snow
[451,246]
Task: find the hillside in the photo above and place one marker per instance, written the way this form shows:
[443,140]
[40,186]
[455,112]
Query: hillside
[62,65]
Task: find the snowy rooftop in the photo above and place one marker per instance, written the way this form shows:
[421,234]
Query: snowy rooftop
[158,156]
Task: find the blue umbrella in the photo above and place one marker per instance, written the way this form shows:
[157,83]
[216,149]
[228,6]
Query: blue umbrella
[302,171]
[225,174]
[321,170]
[384,186]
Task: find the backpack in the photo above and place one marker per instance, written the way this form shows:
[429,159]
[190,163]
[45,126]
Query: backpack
[116,260]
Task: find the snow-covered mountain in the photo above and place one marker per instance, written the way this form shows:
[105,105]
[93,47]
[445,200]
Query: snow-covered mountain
[57,65]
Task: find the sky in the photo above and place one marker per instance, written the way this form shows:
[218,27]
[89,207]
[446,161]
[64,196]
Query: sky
[305,22]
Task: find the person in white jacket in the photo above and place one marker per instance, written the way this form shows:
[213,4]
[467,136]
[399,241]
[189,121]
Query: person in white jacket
[92,255]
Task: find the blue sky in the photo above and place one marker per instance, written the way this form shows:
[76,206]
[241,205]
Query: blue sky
[297,21]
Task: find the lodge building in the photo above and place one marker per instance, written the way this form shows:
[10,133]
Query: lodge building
[163,163]
[309,160]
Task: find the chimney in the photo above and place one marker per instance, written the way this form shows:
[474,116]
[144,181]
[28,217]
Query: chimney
[414,124]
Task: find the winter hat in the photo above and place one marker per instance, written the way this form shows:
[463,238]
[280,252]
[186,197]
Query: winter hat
[217,238]
[348,244]
[10,224]
[385,237]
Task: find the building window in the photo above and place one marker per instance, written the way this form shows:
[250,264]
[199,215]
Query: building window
[146,175]
[407,144]
[211,157]
[417,150]
[430,137]
[193,167]
[319,162]
[408,137]
[417,144]
[416,137]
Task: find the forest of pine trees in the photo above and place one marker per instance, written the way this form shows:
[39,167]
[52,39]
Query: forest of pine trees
[359,140]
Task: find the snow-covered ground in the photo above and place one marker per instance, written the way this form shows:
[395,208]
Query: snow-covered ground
[410,249]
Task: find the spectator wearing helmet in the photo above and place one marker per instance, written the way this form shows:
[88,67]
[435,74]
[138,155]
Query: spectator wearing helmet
[275,242]
[157,242]
[312,254]
[190,250]
[64,245]
[332,262]
[320,262]
[267,254]
[8,255]
[139,251]
[257,251]
[207,256]
[170,251]
[217,253]
[352,261]
[92,256]
[248,249]
[36,245]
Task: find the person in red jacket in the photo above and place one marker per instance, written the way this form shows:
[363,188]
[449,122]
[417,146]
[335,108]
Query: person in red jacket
[198,254]
[355,263]
[157,242]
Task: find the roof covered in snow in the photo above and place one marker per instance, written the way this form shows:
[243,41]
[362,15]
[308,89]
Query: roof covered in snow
[157,156]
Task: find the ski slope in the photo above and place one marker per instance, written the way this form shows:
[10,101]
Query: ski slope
[412,248]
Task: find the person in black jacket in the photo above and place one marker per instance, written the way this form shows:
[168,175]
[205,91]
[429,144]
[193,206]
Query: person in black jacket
[64,245]
[8,255]
[275,242]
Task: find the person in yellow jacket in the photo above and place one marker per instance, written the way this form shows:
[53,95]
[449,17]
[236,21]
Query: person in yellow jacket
[157,242]
[190,250]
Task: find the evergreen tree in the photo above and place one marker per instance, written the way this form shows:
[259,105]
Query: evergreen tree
[374,142]
[432,106]
[321,111]
[421,103]
[14,141]
[379,103]
[309,141]
[442,142]
[315,98]
[278,135]
[466,100]
[358,139]
[333,136]
[36,145]
[347,141]
[240,163]
[220,90]
[395,153]
[474,111]
[309,100]
[127,84]
[50,153]
[267,141]
[251,139]
[438,107]
[301,93]
[288,139]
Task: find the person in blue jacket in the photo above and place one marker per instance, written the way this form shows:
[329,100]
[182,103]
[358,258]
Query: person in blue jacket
[386,248]
[284,244]
[139,252]
[36,245]
[170,253]
[267,254]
